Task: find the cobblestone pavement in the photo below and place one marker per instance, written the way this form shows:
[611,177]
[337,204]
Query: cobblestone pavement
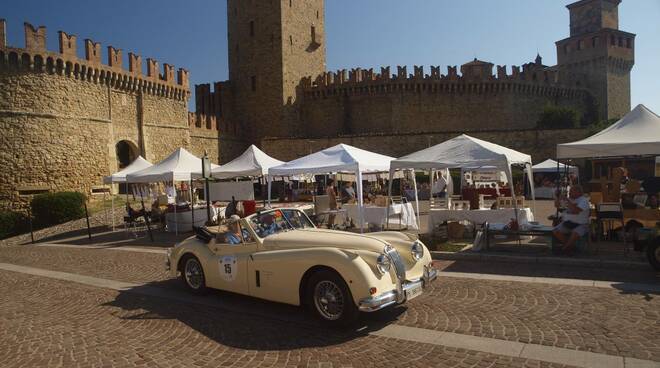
[589,319]
[45,322]
[584,318]
[110,264]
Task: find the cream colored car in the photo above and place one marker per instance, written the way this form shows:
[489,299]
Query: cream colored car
[279,255]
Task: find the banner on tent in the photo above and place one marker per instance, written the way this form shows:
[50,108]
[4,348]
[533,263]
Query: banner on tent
[223,191]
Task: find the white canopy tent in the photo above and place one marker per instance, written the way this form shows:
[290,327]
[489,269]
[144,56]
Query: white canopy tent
[341,158]
[465,151]
[636,134]
[179,166]
[252,162]
[551,165]
[120,177]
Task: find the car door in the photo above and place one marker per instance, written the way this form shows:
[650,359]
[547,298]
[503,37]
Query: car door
[229,268]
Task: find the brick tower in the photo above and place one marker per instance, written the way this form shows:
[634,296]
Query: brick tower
[598,56]
[272,46]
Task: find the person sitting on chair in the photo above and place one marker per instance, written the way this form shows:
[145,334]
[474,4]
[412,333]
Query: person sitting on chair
[575,220]
[234,236]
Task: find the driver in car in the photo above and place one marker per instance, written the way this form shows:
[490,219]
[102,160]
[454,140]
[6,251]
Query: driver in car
[268,226]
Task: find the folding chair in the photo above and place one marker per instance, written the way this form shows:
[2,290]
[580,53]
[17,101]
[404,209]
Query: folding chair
[610,212]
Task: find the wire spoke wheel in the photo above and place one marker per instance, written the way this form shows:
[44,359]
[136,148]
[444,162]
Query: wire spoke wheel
[194,274]
[329,300]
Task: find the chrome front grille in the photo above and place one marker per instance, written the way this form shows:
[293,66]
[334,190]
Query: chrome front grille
[399,267]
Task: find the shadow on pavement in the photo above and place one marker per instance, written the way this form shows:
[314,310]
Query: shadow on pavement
[104,236]
[240,321]
[580,272]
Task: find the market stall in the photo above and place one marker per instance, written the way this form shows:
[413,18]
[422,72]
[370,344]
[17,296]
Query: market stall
[635,136]
[179,166]
[545,177]
[120,177]
[467,152]
[341,158]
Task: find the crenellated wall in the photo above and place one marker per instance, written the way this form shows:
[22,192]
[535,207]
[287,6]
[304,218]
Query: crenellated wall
[540,144]
[61,116]
[361,101]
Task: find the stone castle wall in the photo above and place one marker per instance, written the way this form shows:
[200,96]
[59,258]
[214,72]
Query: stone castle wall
[366,102]
[61,116]
[540,144]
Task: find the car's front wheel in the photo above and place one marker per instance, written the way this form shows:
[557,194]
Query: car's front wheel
[330,299]
[192,275]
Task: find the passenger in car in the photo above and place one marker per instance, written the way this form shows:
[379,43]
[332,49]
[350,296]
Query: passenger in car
[233,236]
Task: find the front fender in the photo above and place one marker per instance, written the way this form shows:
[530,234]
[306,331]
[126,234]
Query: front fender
[281,272]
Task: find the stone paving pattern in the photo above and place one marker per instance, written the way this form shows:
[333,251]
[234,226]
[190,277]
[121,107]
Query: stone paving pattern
[110,264]
[71,325]
[590,319]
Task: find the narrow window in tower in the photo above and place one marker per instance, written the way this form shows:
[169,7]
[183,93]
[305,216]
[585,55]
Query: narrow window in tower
[594,41]
[290,3]
[291,40]
[580,45]
[317,14]
[628,43]
[313,34]
[251,28]
[253,81]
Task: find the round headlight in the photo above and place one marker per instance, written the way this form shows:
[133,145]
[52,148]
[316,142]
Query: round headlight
[383,264]
[417,251]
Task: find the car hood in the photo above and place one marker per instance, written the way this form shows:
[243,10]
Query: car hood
[303,238]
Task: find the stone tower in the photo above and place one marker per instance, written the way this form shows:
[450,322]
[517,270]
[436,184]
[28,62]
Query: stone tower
[272,45]
[598,56]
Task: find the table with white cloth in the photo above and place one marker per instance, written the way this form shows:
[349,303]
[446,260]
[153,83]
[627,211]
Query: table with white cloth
[504,215]
[402,213]
[182,221]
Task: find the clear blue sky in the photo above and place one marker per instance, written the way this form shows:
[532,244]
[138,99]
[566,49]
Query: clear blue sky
[366,33]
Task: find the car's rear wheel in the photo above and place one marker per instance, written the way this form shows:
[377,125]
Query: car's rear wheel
[192,275]
[330,299]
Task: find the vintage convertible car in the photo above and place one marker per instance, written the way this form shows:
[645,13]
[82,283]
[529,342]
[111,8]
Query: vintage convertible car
[279,255]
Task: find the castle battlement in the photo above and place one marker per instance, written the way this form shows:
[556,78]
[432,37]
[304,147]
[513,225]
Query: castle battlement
[474,77]
[35,57]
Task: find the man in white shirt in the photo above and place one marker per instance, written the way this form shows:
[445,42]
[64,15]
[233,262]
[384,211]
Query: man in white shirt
[575,219]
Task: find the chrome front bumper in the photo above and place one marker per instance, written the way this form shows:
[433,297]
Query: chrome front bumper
[384,300]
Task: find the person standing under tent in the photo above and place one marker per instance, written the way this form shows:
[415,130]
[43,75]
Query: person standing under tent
[332,197]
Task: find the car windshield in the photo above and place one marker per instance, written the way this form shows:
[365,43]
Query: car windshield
[269,223]
[298,219]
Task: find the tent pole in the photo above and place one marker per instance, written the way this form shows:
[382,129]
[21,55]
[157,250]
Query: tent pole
[358,175]
[192,203]
[176,220]
[112,199]
[269,180]
[416,198]
[530,179]
[389,199]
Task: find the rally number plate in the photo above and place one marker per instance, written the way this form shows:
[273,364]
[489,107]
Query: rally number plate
[414,292]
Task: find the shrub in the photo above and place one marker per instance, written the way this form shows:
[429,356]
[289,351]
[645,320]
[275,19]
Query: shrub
[12,223]
[554,117]
[56,208]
